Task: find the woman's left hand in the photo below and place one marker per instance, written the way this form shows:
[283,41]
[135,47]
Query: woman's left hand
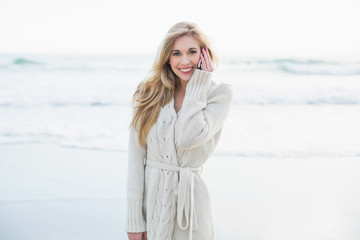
[206,64]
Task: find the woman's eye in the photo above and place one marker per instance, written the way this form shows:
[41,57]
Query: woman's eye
[192,52]
[176,54]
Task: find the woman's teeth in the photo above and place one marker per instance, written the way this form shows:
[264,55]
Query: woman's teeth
[185,70]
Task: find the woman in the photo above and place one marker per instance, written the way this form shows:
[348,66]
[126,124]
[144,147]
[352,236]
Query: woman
[178,116]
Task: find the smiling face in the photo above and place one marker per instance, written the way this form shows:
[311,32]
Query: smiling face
[185,56]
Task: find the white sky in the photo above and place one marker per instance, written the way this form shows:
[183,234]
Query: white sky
[245,27]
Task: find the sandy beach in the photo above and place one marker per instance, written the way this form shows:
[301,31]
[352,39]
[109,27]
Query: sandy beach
[52,192]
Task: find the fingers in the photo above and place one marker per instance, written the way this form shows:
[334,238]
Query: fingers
[211,68]
[206,60]
[137,236]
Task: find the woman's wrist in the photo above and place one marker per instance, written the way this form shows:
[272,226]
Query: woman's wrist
[199,85]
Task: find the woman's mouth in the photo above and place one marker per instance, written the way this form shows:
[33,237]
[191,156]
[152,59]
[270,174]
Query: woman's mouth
[185,70]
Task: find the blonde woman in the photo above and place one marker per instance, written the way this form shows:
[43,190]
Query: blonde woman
[178,116]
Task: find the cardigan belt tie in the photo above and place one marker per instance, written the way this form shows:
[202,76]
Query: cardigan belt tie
[186,216]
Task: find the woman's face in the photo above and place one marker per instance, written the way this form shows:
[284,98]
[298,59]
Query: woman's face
[185,56]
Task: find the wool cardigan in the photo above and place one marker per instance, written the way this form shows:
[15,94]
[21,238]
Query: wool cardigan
[166,195]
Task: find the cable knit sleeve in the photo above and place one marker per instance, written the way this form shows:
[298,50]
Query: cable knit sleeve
[135,184]
[202,114]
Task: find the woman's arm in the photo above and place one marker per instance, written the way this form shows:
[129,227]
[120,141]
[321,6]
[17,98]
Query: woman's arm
[202,115]
[135,184]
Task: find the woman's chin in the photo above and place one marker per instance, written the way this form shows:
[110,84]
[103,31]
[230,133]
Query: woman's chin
[186,78]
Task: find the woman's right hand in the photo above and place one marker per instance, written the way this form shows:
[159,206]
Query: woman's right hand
[137,236]
[206,64]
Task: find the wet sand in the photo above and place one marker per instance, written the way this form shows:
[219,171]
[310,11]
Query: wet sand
[52,192]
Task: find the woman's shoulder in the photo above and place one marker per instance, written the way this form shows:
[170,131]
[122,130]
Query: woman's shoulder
[220,88]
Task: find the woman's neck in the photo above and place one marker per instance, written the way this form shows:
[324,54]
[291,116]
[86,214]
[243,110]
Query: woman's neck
[182,87]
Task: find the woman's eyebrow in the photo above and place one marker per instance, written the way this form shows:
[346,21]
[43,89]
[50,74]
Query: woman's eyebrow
[192,48]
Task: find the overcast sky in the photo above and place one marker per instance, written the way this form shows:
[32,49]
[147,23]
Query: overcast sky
[249,27]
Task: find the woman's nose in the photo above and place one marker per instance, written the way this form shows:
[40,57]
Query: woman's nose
[185,60]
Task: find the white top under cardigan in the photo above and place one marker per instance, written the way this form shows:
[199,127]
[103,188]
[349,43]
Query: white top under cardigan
[166,194]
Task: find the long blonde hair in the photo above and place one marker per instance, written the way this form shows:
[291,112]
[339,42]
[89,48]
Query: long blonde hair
[158,88]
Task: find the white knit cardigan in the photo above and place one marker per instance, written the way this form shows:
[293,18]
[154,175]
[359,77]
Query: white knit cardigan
[166,194]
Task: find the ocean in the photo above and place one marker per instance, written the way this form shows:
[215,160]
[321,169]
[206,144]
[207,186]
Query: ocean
[283,107]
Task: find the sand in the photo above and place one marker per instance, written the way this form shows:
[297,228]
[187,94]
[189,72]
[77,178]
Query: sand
[51,192]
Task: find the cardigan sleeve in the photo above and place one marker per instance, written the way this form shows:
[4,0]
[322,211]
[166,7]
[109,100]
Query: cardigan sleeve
[202,113]
[135,184]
